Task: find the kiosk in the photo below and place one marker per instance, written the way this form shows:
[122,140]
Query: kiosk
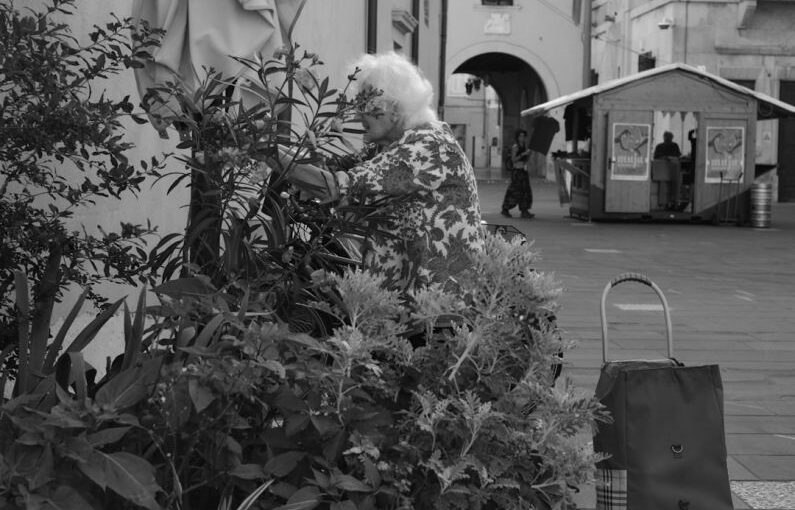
[712,122]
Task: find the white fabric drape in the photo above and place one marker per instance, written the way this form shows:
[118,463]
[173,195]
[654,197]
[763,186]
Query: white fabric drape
[207,33]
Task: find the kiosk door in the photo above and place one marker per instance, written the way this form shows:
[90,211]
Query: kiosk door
[627,183]
[724,152]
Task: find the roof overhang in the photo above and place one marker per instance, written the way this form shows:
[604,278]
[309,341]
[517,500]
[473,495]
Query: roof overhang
[767,107]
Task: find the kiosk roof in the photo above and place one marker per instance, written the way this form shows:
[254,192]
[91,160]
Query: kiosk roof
[769,107]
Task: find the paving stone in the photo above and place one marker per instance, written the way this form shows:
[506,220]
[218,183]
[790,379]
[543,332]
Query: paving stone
[747,424]
[763,444]
[737,471]
[768,467]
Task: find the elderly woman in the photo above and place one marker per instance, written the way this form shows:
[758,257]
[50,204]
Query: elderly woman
[421,173]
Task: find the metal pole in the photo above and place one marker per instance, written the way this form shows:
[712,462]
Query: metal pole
[442,60]
[486,124]
[372,26]
[415,36]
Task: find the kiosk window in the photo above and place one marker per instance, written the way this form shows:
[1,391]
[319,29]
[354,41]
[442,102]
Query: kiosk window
[646,61]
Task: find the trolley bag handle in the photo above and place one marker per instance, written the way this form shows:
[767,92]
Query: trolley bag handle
[640,278]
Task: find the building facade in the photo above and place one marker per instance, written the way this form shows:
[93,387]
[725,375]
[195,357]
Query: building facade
[519,52]
[749,42]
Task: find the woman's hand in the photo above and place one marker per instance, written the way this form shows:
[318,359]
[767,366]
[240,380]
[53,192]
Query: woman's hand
[317,182]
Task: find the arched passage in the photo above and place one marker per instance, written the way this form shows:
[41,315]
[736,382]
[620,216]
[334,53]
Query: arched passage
[518,85]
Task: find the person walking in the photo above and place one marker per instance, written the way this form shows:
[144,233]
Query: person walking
[519,192]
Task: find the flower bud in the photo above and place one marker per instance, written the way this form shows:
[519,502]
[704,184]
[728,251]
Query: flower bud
[305,79]
[281,52]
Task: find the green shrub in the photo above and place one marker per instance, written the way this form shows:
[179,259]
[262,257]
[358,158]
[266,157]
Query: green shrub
[61,147]
[361,419]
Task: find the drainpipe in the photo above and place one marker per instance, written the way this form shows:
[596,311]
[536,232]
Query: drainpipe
[372,26]
[442,59]
[415,36]
[586,43]
[687,20]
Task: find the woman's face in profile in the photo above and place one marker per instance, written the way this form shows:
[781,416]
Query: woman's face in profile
[380,122]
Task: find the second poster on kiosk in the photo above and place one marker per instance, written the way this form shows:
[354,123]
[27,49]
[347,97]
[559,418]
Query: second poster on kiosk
[725,153]
[630,152]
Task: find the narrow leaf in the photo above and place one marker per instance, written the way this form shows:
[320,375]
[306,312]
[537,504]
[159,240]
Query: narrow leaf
[185,286]
[55,346]
[304,498]
[241,315]
[89,332]
[207,332]
[133,339]
[77,374]
[44,300]
[247,503]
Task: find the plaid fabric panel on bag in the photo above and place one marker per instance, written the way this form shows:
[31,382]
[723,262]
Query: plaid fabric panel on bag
[611,489]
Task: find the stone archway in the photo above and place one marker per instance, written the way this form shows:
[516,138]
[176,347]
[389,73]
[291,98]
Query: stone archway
[519,77]
[517,84]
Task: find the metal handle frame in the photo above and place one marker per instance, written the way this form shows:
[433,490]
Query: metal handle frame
[640,278]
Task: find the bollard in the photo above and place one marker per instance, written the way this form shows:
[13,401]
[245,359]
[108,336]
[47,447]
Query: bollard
[761,198]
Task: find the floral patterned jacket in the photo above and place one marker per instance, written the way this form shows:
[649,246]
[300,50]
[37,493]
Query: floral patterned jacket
[432,207]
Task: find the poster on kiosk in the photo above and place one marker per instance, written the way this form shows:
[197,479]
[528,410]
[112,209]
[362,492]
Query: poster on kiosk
[725,154]
[630,152]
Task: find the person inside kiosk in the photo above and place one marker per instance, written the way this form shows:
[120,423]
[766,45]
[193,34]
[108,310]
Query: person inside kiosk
[668,149]
[667,174]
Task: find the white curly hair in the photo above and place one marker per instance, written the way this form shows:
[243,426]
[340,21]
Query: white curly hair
[400,83]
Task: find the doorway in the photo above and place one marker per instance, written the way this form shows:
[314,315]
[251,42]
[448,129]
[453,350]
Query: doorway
[674,158]
[786,147]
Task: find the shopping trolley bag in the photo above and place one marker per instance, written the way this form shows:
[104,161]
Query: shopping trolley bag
[666,443]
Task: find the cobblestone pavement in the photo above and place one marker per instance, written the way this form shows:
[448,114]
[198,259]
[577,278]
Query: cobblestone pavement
[731,293]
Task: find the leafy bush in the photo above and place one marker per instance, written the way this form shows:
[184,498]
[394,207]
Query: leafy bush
[58,437]
[469,418]
[61,147]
